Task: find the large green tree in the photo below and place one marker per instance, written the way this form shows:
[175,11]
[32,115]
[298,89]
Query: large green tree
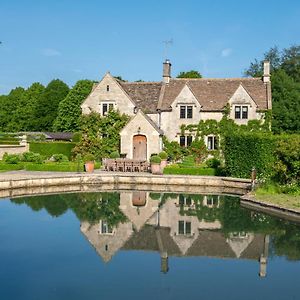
[69,112]
[285,78]
[189,74]
[47,108]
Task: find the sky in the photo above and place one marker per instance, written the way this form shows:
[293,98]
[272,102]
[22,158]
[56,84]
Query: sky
[83,39]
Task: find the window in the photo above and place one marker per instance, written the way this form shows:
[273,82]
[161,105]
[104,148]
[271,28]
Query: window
[106,107]
[212,142]
[184,227]
[212,200]
[105,228]
[241,112]
[245,112]
[107,88]
[183,200]
[185,141]
[186,112]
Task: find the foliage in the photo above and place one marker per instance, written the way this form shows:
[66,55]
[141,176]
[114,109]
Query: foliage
[11,167]
[76,137]
[114,154]
[163,155]
[155,159]
[60,158]
[88,157]
[213,163]
[32,157]
[285,78]
[69,111]
[189,74]
[47,107]
[173,149]
[243,151]
[11,158]
[176,169]
[198,150]
[100,135]
[50,148]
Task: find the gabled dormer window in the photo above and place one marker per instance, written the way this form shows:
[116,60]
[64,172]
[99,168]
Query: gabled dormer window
[184,227]
[186,111]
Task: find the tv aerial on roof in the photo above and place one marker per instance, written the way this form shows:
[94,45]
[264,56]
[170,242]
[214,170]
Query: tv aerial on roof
[167,43]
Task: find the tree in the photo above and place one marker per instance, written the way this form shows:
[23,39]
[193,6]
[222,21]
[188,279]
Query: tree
[69,110]
[285,78]
[189,74]
[47,107]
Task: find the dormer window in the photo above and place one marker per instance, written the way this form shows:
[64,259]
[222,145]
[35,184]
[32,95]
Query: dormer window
[186,111]
[184,227]
[107,88]
[241,112]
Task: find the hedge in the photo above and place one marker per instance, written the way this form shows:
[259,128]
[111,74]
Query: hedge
[49,148]
[50,167]
[175,170]
[9,142]
[243,151]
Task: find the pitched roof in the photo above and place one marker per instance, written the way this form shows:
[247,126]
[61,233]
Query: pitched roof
[144,94]
[213,94]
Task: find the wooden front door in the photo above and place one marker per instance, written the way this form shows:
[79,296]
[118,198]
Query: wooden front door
[140,147]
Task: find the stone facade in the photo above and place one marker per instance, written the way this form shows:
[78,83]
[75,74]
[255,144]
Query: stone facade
[160,108]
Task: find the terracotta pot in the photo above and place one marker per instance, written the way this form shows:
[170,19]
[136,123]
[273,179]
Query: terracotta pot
[163,164]
[89,166]
[155,168]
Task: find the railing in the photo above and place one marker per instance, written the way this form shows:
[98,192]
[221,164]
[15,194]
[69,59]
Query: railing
[125,165]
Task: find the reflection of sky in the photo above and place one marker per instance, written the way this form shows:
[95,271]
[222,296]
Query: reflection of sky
[42,257]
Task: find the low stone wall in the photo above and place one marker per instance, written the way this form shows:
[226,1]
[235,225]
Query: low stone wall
[27,185]
[13,149]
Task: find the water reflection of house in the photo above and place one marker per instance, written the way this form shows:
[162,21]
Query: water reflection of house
[170,233]
[138,207]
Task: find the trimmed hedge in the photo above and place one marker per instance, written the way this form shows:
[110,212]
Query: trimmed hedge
[175,170]
[8,142]
[243,151]
[50,148]
[54,167]
[11,167]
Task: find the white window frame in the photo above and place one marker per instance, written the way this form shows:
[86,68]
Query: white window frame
[185,227]
[109,104]
[104,228]
[185,107]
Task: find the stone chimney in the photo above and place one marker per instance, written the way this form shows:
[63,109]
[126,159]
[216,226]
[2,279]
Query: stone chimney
[166,71]
[266,76]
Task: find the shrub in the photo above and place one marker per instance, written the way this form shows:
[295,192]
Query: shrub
[163,155]
[243,151]
[60,158]
[114,154]
[11,158]
[50,148]
[32,157]
[213,163]
[76,137]
[155,159]
[89,157]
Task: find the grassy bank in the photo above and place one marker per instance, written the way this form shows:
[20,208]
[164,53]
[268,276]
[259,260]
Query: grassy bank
[274,195]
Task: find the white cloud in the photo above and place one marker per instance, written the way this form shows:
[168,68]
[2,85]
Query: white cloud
[50,52]
[226,52]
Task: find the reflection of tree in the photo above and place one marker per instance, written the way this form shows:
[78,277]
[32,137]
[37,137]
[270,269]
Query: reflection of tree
[288,243]
[90,207]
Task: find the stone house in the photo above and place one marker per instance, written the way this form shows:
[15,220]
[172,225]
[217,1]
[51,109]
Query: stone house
[160,108]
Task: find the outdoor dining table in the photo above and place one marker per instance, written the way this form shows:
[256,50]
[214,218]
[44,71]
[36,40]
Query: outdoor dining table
[125,165]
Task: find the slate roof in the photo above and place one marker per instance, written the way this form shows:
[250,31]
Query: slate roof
[208,244]
[212,94]
[144,94]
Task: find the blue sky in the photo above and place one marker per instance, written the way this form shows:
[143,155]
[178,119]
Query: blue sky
[73,39]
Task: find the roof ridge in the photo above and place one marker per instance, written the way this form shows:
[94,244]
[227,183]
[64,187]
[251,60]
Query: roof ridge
[203,79]
[142,82]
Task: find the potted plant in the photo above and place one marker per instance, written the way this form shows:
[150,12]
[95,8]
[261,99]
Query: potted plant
[89,163]
[155,161]
[164,156]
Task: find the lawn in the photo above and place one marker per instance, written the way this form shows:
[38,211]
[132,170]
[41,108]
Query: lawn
[283,200]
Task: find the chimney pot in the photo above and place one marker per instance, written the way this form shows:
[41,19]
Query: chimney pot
[167,71]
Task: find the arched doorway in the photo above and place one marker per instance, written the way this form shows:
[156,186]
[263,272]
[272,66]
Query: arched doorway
[139,147]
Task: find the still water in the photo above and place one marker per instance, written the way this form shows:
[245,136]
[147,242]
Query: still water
[141,245]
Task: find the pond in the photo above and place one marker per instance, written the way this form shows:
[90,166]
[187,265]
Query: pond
[143,245]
